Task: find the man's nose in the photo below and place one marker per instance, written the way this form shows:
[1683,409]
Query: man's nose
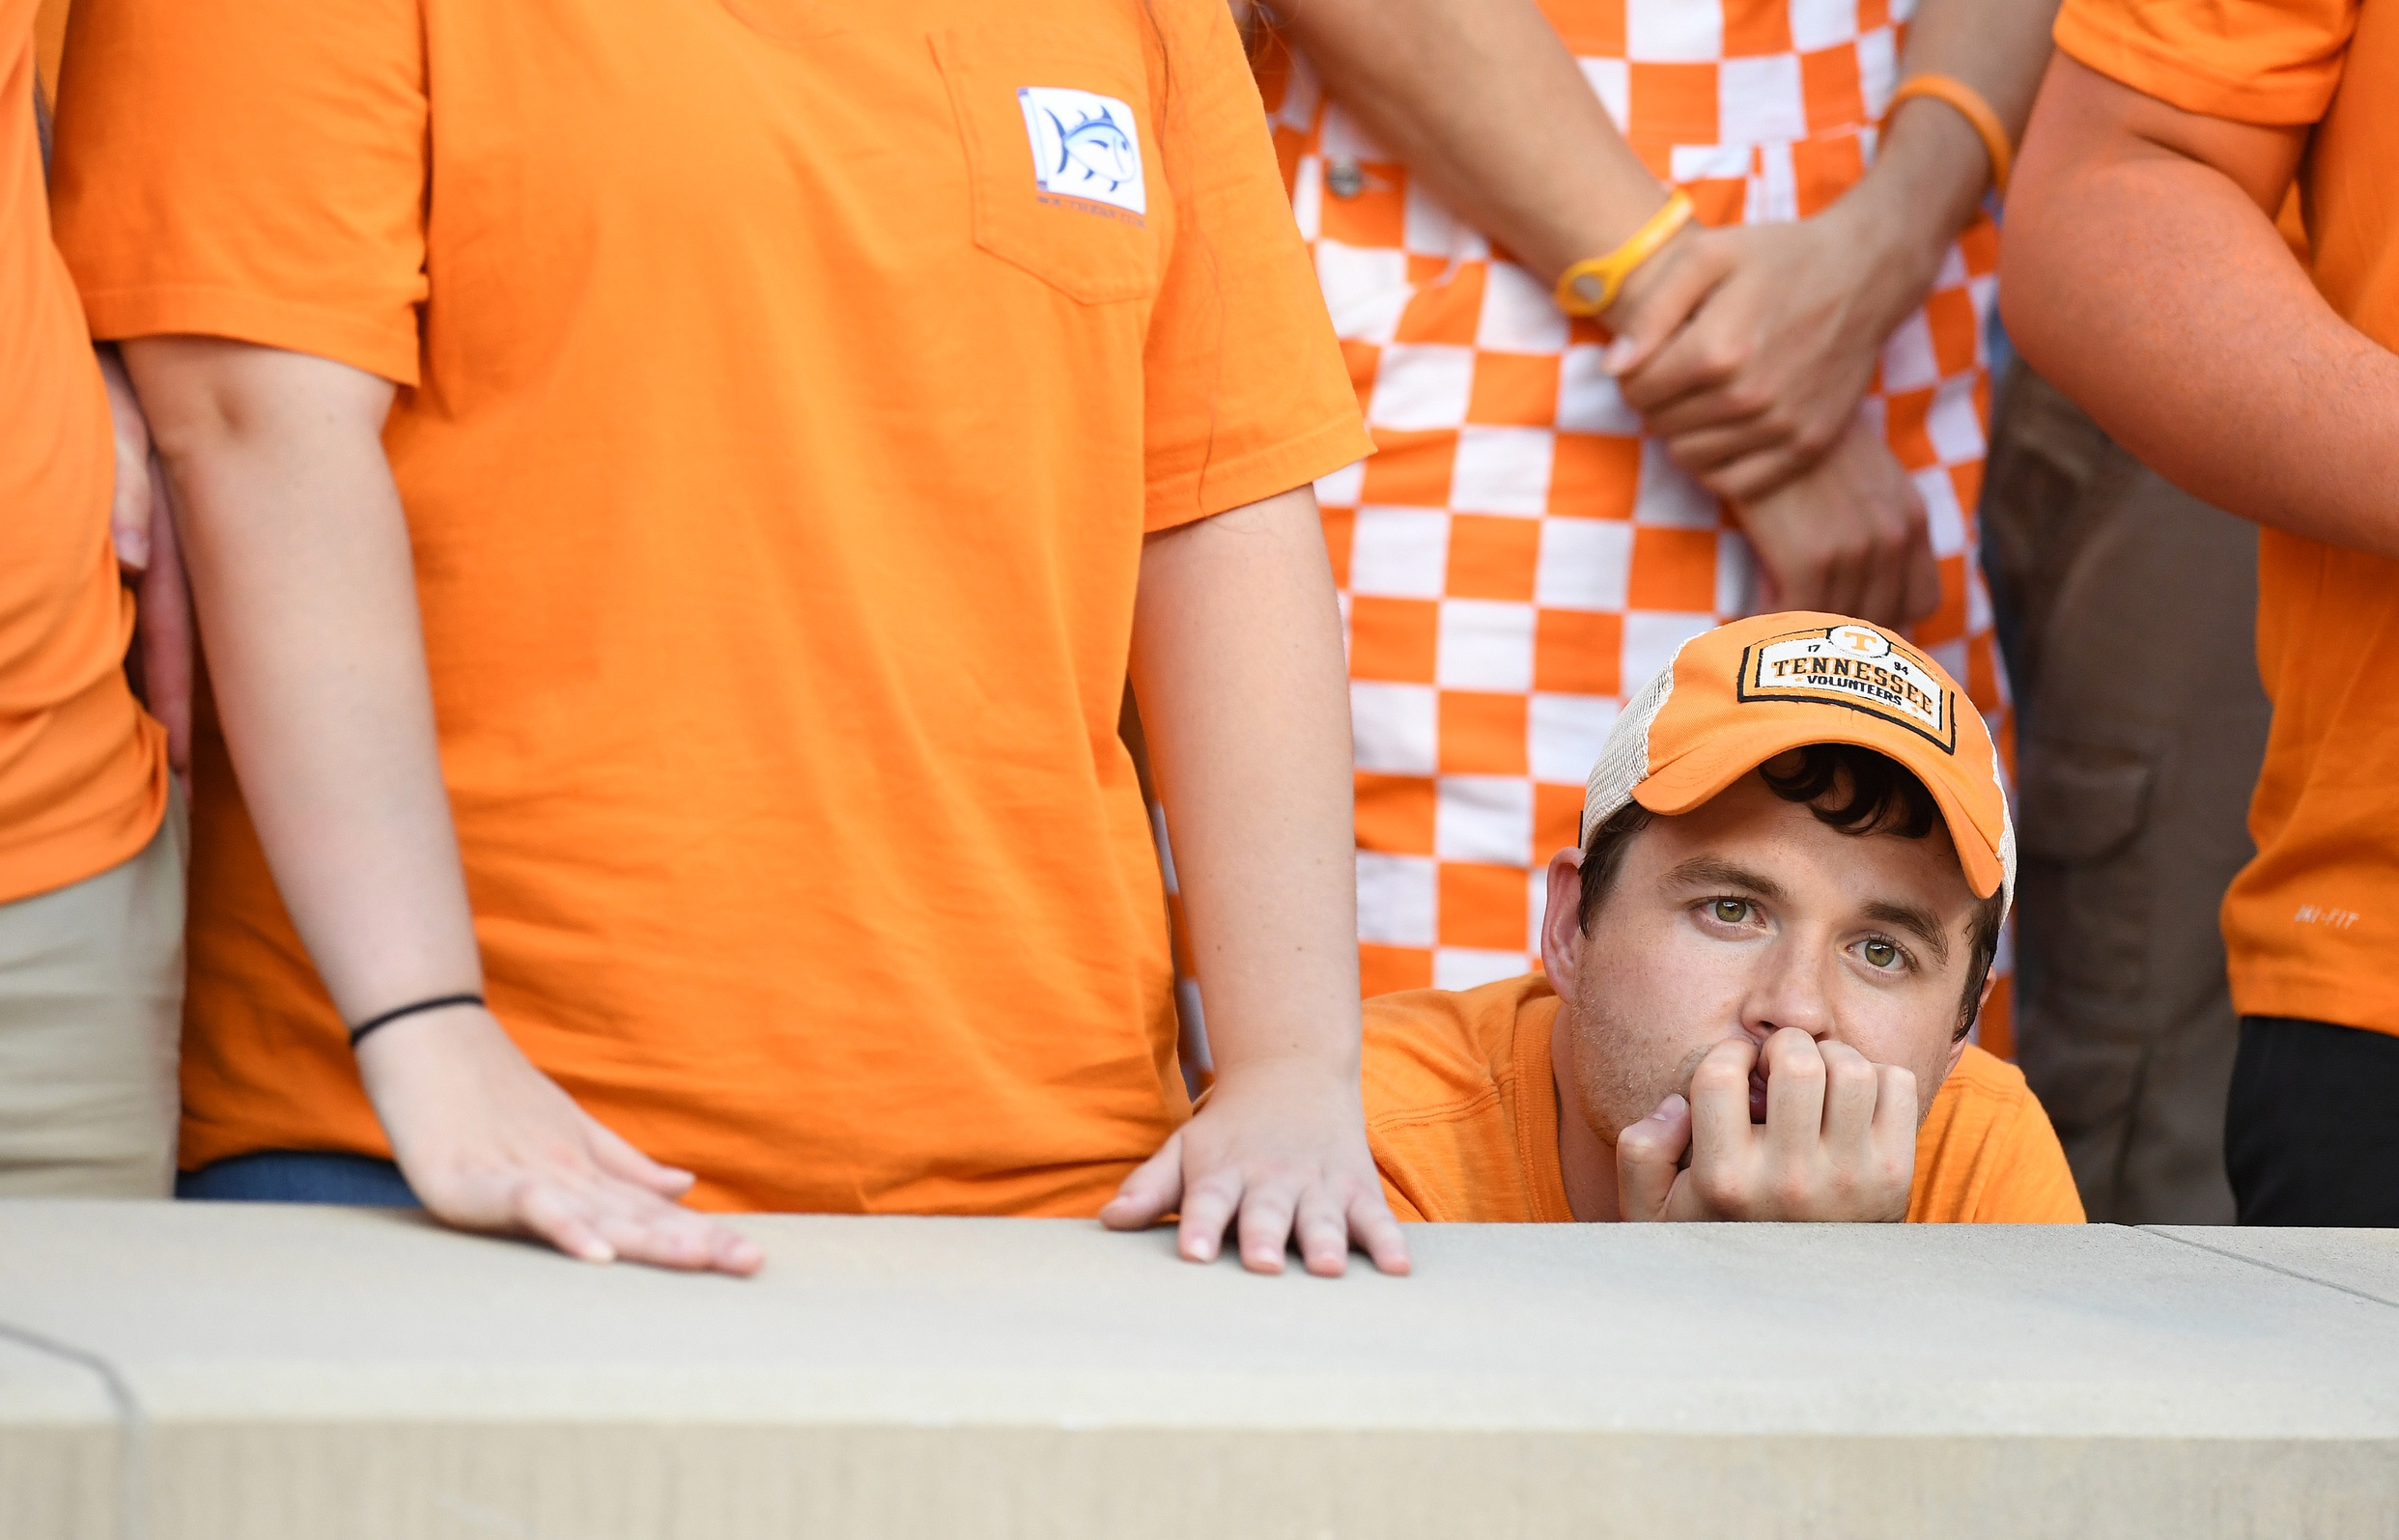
[1789,988]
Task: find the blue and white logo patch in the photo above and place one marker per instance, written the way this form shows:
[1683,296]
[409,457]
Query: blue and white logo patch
[1085,146]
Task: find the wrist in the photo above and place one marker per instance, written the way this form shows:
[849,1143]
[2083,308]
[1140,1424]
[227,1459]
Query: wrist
[1898,235]
[1645,280]
[1334,1068]
[1927,178]
[416,1035]
[1591,285]
[423,1005]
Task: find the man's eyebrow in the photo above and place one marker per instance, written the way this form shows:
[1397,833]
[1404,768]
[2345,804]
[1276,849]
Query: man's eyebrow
[1916,921]
[1713,871]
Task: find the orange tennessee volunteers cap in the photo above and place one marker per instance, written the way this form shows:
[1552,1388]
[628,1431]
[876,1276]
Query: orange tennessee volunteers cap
[1737,697]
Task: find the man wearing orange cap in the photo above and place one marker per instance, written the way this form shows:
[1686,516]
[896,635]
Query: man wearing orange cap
[1763,961]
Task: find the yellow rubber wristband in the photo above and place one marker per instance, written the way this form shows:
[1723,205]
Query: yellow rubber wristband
[1968,104]
[1591,285]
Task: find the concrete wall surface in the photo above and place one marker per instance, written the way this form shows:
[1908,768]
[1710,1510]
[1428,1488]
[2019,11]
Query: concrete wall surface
[197,1371]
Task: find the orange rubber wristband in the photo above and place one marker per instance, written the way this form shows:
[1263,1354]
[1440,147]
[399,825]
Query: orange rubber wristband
[1969,104]
[1591,285]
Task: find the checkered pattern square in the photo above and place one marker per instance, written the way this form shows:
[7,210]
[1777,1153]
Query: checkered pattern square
[1516,557]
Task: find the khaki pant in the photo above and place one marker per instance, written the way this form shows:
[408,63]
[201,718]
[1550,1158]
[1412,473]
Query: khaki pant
[2143,724]
[91,1025]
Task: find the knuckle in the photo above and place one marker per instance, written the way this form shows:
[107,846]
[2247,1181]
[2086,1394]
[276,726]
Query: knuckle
[1718,360]
[1719,1189]
[1717,1073]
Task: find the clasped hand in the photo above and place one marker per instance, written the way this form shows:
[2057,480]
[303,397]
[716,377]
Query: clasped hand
[1838,1140]
[1748,351]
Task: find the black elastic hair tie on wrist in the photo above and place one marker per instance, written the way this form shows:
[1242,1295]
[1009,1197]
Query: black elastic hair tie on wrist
[439,1002]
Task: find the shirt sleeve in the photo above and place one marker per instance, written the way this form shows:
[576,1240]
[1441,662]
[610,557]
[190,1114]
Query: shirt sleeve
[2269,62]
[251,169]
[1246,393]
[2029,1180]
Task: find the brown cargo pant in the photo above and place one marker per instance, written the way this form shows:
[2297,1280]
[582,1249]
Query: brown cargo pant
[2143,723]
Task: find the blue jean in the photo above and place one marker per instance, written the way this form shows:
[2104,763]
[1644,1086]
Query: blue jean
[299,1176]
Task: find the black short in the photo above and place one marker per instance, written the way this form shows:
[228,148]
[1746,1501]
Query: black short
[2312,1134]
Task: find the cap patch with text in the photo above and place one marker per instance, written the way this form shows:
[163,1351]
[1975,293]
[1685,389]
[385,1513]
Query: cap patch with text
[1857,666]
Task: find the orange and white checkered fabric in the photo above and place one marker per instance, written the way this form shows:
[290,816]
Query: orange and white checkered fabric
[1517,556]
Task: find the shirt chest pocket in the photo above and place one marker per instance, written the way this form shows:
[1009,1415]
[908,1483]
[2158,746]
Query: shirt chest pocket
[1062,166]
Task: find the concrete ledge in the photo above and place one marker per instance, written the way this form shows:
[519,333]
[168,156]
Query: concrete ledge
[298,1372]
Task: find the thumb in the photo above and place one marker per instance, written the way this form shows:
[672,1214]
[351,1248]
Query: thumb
[1154,1190]
[1647,1157]
[129,514]
[1666,292]
[129,510]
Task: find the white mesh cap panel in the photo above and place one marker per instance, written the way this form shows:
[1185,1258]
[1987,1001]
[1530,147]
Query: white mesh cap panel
[2006,835]
[1624,758]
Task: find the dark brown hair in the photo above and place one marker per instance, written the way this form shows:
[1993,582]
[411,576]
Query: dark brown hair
[1882,796]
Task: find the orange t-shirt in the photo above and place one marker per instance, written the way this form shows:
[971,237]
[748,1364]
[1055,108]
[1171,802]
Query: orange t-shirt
[789,388]
[50,38]
[83,774]
[2312,924]
[1462,1115]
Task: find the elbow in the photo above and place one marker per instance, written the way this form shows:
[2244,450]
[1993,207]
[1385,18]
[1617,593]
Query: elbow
[2034,290]
[207,398]
[2020,315]
[2065,296]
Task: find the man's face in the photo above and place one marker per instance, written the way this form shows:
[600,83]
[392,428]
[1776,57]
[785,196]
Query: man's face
[1746,916]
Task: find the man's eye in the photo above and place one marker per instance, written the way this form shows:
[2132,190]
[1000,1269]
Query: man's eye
[1728,910]
[1880,954]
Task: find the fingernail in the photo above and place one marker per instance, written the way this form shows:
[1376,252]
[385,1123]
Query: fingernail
[1617,356]
[1675,1103]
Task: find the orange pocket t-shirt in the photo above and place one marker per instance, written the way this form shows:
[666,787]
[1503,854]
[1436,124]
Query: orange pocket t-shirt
[788,389]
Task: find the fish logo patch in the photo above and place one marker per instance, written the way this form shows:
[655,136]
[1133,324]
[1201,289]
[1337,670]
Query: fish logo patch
[1086,147]
[1859,668]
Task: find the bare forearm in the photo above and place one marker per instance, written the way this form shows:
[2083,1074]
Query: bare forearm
[1931,168]
[1237,665]
[1999,48]
[1481,99]
[2143,275]
[301,566]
